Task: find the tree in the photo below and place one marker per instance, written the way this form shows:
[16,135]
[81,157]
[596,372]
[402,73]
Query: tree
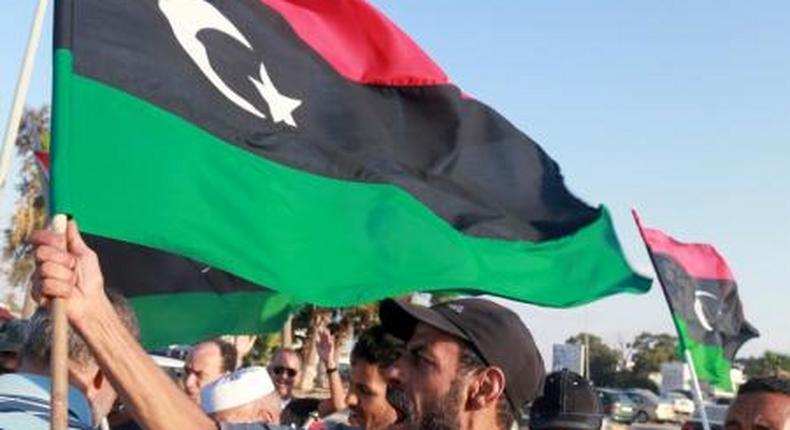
[770,364]
[603,359]
[30,208]
[650,350]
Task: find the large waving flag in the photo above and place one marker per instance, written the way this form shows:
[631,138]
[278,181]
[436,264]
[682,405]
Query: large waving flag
[300,151]
[703,297]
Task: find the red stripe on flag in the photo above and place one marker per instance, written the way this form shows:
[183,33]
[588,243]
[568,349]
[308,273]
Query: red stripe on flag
[42,160]
[700,260]
[359,42]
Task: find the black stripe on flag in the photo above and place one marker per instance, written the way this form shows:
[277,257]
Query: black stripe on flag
[710,307]
[136,270]
[465,162]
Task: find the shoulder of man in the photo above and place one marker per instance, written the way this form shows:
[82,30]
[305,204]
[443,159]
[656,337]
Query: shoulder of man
[306,404]
[255,426]
[298,410]
[30,413]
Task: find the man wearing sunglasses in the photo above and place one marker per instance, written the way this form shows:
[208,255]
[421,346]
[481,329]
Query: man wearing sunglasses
[285,368]
[469,364]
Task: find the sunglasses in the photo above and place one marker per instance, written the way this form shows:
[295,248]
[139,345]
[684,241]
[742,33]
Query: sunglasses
[279,370]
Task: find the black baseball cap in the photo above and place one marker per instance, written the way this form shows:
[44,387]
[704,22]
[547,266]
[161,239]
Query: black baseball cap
[568,402]
[495,332]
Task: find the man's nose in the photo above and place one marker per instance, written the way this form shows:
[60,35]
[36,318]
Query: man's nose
[393,374]
[190,380]
[351,399]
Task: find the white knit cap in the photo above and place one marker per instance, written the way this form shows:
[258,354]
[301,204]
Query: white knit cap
[236,389]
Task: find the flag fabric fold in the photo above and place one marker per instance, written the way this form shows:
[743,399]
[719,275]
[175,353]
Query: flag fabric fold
[703,298]
[311,151]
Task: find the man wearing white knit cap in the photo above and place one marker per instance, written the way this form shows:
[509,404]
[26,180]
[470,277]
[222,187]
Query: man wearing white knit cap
[244,396]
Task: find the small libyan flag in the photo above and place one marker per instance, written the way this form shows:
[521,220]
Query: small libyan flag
[232,158]
[703,297]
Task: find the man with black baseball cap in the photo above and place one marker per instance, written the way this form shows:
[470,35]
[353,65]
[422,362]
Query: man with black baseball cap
[470,364]
[568,402]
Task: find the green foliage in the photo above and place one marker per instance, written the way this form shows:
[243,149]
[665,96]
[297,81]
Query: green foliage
[769,364]
[603,359]
[650,350]
[630,379]
[608,364]
[261,352]
[30,208]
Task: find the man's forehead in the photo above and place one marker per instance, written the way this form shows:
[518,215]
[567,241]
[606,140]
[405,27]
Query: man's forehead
[285,357]
[206,348]
[762,406]
[364,372]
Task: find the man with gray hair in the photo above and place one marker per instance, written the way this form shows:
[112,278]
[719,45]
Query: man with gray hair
[25,396]
[244,396]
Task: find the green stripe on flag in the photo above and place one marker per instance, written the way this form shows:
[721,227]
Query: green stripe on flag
[141,174]
[709,361]
[191,317]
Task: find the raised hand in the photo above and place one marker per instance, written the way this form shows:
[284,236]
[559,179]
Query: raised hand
[67,268]
[325,344]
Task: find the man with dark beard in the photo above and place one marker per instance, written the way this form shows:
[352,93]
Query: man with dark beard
[470,364]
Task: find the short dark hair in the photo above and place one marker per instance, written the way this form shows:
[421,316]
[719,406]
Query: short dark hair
[771,384]
[228,353]
[470,360]
[377,346]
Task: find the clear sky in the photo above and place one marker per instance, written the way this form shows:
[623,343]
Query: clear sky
[680,109]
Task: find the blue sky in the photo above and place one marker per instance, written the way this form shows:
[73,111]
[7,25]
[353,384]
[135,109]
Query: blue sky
[678,108]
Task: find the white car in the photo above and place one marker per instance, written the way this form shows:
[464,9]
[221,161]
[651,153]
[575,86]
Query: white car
[650,407]
[683,405]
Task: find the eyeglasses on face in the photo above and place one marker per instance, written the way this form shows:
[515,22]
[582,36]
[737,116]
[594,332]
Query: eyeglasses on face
[279,370]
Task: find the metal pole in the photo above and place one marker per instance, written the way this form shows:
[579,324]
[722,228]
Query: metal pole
[697,391]
[20,94]
[695,381]
[586,355]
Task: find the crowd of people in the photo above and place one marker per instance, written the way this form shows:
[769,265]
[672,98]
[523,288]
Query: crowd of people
[465,364]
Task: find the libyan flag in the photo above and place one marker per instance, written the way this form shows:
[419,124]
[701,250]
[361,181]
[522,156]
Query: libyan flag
[703,297]
[231,159]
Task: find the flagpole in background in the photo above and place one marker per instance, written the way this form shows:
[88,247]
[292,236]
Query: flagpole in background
[20,94]
[687,354]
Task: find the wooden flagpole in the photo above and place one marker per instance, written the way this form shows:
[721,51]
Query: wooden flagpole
[20,94]
[59,402]
[687,354]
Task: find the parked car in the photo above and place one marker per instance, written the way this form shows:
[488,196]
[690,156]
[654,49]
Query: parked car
[683,405]
[616,405]
[716,416]
[650,407]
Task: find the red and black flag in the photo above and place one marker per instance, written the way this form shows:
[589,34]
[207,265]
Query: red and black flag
[301,151]
[703,297]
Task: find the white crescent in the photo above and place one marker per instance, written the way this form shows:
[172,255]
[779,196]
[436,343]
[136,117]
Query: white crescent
[700,312]
[187,18]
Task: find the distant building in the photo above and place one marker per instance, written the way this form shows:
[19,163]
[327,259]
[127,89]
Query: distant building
[568,356]
[675,376]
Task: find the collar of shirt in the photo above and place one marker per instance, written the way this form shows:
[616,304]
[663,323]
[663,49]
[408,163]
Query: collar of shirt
[38,386]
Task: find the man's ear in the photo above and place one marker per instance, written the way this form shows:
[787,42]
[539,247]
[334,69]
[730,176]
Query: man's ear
[98,380]
[487,385]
